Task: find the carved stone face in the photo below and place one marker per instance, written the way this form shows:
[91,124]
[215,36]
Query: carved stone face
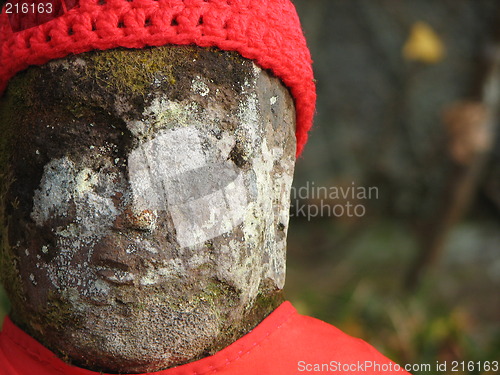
[147,222]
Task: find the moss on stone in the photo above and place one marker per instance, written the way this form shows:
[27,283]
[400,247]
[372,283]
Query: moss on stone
[10,276]
[20,91]
[131,72]
[6,117]
[59,313]
[79,110]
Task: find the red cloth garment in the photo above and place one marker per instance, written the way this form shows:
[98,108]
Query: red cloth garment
[285,343]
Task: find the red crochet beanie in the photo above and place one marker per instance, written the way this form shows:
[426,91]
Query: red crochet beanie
[33,32]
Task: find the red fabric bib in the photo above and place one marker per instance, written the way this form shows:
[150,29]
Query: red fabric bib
[285,343]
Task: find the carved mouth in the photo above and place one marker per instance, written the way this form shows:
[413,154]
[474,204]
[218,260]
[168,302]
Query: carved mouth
[115,272]
[119,259]
[116,276]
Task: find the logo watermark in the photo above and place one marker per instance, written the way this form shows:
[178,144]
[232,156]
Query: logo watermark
[313,201]
[380,367]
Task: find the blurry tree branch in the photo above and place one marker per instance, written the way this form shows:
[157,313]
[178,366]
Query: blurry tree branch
[471,128]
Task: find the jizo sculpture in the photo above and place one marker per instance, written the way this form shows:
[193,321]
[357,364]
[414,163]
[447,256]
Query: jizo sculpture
[147,154]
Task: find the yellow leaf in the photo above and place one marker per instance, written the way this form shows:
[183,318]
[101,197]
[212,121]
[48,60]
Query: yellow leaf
[423,44]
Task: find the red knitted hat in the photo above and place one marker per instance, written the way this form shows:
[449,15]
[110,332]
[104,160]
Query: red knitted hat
[33,32]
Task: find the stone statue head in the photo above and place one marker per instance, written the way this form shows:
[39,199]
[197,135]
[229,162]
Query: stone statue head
[145,187]
[145,210]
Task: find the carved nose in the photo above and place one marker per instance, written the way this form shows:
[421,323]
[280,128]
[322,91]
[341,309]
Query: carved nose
[143,220]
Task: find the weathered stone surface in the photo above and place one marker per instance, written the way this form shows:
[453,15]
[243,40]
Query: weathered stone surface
[147,211]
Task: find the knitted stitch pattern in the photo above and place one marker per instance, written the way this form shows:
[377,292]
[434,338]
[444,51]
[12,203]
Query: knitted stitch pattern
[266,31]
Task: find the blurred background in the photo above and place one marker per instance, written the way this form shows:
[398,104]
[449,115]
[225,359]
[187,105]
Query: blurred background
[407,107]
[394,235]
